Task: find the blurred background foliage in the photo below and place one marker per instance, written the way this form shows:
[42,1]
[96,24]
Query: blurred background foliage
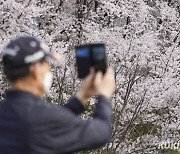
[143,46]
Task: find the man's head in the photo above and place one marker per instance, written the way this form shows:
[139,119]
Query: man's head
[26,64]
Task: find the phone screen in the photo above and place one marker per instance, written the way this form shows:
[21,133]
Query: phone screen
[82,61]
[99,57]
[98,53]
[82,53]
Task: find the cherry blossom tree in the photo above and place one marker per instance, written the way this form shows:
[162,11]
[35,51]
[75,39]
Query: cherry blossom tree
[143,46]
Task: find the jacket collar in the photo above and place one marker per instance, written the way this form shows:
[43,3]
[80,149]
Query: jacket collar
[19,94]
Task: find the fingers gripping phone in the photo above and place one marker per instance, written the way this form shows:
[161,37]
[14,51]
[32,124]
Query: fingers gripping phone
[90,55]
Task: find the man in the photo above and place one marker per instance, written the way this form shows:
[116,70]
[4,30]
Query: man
[28,125]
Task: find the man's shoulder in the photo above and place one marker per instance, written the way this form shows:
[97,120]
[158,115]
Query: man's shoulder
[44,111]
[32,110]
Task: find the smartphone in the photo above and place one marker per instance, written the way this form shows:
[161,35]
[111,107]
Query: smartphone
[90,55]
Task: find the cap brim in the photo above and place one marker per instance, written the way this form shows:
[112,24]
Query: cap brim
[54,58]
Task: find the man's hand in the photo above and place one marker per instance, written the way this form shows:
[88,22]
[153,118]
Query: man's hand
[105,85]
[97,84]
[87,89]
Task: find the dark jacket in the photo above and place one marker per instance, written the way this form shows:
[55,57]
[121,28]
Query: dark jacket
[28,125]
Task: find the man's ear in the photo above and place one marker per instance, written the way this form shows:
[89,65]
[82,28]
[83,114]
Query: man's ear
[34,71]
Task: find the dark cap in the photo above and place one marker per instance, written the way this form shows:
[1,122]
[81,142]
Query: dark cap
[23,51]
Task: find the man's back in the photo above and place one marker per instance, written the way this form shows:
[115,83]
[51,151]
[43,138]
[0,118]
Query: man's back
[29,125]
[13,124]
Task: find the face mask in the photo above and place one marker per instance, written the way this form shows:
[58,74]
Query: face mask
[47,82]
